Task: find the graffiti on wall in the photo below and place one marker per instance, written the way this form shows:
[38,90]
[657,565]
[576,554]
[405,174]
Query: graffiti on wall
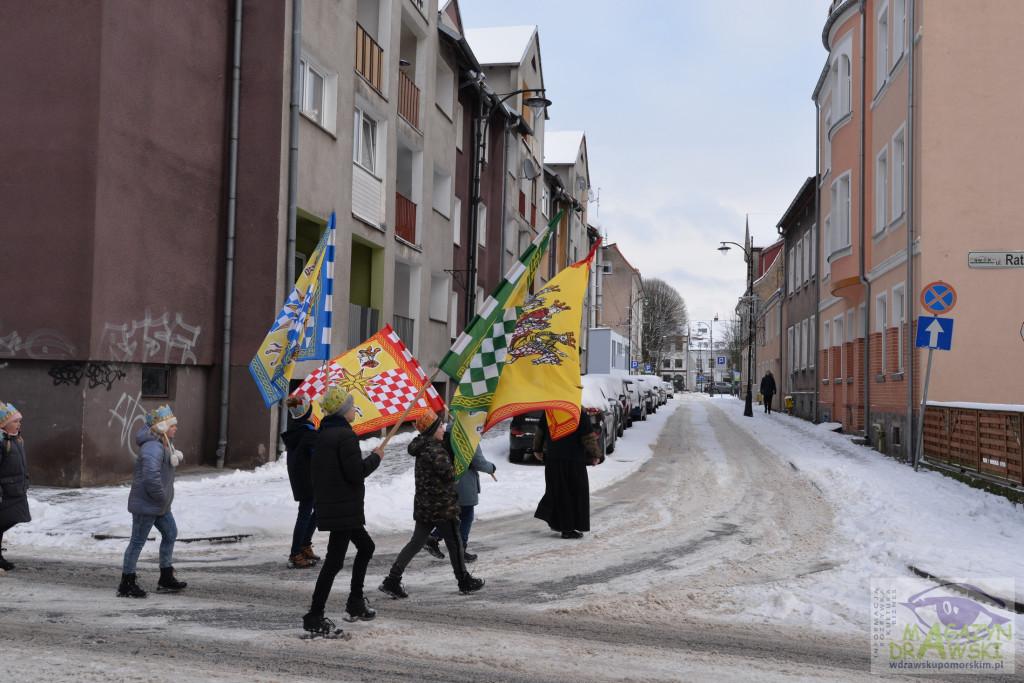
[98,374]
[130,414]
[160,340]
[40,344]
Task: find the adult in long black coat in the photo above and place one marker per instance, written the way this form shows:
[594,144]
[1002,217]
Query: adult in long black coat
[768,390]
[565,505]
[299,439]
[339,470]
[13,476]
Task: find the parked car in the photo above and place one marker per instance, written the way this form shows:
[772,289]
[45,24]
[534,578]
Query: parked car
[669,389]
[615,387]
[649,393]
[720,388]
[660,397]
[520,436]
[638,407]
[603,412]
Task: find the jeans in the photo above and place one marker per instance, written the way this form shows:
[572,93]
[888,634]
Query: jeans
[449,532]
[141,526]
[305,525]
[466,515]
[337,546]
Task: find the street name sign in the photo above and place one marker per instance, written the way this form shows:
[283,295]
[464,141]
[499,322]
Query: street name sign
[995,259]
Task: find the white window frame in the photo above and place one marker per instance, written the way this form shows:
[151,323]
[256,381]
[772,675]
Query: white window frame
[362,122]
[899,30]
[882,190]
[899,172]
[457,223]
[838,339]
[790,349]
[481,224]
[321,110]
[899,320]
[804,346]
[827,339]
[840,198]
[813,243]
[441,199]
[882,324]
[805,242]
[881,46]
[444,88]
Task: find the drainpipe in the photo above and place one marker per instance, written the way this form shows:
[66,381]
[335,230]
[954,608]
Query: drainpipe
[815,397]
[860,221]
[229,260]
[504,195]
[908,348]
[293,168]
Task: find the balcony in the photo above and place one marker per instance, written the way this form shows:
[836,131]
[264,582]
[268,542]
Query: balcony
[369,59]
[405,328]
[408,100]
[405,219]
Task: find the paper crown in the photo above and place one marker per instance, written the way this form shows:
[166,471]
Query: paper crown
[428,422]
[161,419]
[298,406]
[8,414]
[336,399]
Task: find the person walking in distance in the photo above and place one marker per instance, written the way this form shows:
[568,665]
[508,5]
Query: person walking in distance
[435,504]
[299,440]
[768,391]
[565,505]
[13,476]
[150,500]
[339,471]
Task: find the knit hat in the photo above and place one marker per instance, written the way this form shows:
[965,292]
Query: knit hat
[299,406]
[336,400]
[428,422]
[161,419]
[8,414]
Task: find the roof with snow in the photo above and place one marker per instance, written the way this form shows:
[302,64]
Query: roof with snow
[562,146]
[502,44]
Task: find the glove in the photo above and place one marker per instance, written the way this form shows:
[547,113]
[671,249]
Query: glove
[176,457]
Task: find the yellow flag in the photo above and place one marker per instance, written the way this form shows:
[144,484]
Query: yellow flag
[542,367]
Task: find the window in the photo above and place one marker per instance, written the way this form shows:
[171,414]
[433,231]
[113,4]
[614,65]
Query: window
[457,222]
[841,212]
[899,168]
[812,242]
[881,325]
[828,236]
[899,29]
[837,340]
[481,224]
[826,158]
[881,190]
[899,319]
[438,297]
[155,381]
[442,199]
[826,342]
[791,279]
[364,140]
[545,202]
[804,346]
[851,325]
[318,91]
[881,46]
[844,86]
[798,264]
[459,125]
[444,91]
[805,243]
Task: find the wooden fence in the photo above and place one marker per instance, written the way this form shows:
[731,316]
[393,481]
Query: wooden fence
[985,441]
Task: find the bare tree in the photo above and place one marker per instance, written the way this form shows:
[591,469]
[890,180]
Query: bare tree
[665,316]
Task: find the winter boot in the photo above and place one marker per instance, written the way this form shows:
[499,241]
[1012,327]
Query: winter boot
[317,623]
[168,583]
[358,609]
[307,552]
[130,589]
[470,585]
[470,557]
[434,548]
[392,585]
[300,561]
[5,566]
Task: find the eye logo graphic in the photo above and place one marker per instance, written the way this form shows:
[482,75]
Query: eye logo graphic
[969,620]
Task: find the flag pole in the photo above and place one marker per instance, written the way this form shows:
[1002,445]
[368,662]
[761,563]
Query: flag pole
[409,407]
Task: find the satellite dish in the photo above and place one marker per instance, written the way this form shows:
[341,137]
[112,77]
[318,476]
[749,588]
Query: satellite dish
[529,170]
[593,196]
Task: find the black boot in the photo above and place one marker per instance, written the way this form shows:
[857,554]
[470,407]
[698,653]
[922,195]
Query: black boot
[468,584]
[168,583]
[4,564]
[358,609]
[392,585]
[318,624]
[130,589]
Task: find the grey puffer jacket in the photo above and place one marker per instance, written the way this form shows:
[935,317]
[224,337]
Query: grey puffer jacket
[468,486]
[153,486]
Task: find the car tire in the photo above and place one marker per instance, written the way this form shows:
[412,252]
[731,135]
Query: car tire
[516,455]
[611,449]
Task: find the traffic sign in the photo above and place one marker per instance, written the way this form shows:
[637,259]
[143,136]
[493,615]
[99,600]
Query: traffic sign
[934,333]
[647,367]
[721,360]
[634,364]
[938,297]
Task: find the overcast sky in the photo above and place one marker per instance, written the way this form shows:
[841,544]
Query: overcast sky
[696,114]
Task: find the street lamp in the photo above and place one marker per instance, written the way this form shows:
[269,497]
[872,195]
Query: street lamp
[748,407]
[629,326]
[489,103]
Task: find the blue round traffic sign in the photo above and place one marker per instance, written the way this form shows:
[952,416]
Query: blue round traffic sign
[938,297]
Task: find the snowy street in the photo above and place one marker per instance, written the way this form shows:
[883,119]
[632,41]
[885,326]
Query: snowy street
[722,546]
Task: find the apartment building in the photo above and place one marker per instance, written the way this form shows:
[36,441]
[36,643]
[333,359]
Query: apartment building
[793,322]
[912,192]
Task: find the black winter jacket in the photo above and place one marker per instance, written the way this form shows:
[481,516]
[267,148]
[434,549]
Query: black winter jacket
[300,439]
[435,500]
[339,471]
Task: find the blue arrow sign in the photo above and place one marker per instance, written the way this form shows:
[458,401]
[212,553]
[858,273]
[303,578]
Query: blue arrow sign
[934,333]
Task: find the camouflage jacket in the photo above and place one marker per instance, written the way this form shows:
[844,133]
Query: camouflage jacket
[436,500]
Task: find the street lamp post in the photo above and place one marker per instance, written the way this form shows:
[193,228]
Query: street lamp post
[490,102]
[748,407]
[629,326]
